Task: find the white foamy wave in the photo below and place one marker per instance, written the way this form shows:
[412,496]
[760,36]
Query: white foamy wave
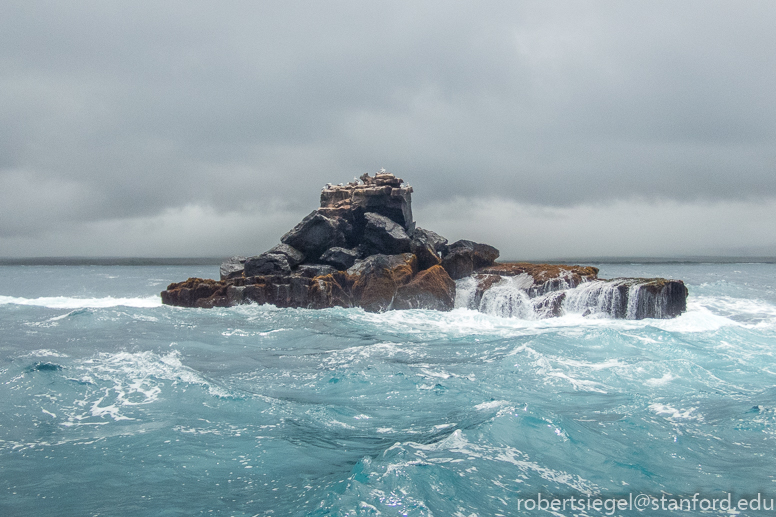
[66,302]
[44,352]
[606,364]
[493,404]
[661,381]
[451,449]
[750,311]
[135,379]
[466,322]
[507,298]
[138,368]
[347,356]
[674,414]
[698,318]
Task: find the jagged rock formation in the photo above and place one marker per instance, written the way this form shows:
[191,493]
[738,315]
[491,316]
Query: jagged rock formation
[361,248]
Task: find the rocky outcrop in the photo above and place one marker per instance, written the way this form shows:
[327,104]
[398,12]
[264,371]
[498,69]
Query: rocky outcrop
[196,292]
[535,291]
[630,298]
[540,279]
[361,248]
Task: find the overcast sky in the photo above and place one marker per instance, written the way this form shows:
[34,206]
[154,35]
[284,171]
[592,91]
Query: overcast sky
[547,129]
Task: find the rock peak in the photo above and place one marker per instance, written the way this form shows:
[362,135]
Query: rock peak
[384,194]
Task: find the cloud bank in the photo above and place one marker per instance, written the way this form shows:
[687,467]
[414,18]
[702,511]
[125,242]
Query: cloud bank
[188,128]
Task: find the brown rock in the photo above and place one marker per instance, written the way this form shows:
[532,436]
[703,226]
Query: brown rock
[376,279]
[373,221]
[430,289]
[187,293]
[546,277]
[213,301]
[328,291]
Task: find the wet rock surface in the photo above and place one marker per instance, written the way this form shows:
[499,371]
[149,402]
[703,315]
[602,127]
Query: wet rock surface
[536,291]
[233,267]
[361,248]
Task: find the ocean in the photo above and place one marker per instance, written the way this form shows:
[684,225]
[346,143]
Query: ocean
[113,404]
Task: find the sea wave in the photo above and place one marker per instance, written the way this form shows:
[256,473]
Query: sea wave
[67,302]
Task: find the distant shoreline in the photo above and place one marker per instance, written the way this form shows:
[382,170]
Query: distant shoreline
[112,261]
[216,261]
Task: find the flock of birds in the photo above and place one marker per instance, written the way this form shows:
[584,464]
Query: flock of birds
[356,181]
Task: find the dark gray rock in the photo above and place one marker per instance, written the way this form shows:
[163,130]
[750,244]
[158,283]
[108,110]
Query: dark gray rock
[382,262]
[424,245]
[293,255]
[463,257]
[317,233]
[427,256]
[482,255]
[385,236]
[340,258]
[234,295]
[438,242]
[233,267]
[394,203]
[267,264]
[313,270]
[458,263]
[255,294]
[657,298]
[299,295]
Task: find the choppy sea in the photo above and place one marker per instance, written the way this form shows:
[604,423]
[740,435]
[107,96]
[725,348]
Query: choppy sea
[113,404]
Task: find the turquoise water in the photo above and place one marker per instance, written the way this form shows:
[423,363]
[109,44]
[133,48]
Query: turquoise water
[112,404]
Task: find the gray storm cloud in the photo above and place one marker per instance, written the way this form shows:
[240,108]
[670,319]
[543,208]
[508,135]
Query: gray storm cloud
[121,116]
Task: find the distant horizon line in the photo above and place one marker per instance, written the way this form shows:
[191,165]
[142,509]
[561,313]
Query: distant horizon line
[215,261]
